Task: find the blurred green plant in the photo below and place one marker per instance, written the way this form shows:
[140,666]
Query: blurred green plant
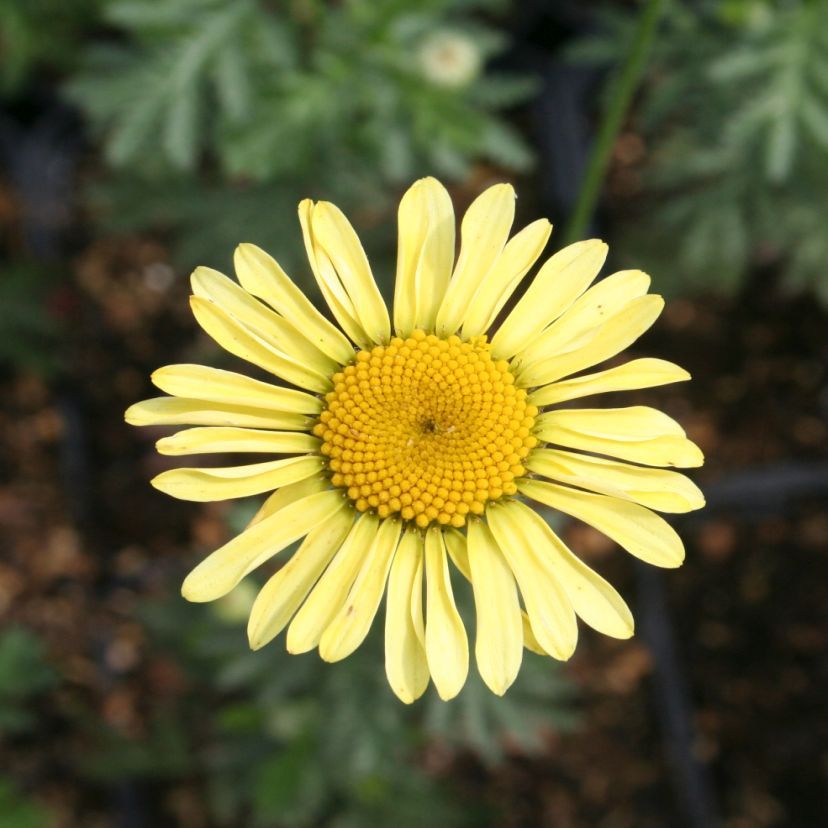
[19,812]
[215,115]
[735,121]
[29,329]
[25,674]
[40,35]
[289,740]
[619,94]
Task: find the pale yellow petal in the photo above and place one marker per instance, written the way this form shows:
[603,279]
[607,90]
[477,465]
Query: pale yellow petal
[640,436]
[213,439]
[483,234]
[277,331]
[219,572]
[659,489]
[447,648]
[659,451]
[574,327]
[592,308]
[335,235]
[405,660]
[350,625]
[550,611]
[436,260]
[235,481]
[593,599]
[417,597]
[635,422]
[459,554]
[641,532]
[242,342]
[529,640]
[261,275]
[412,231]
[283,594]
[290,494]
[425,255]
[332,289]
[613,291]
[331,591]
[180,411]
[341,303]
[561,280]
[499,639]
[200,382]
[598,344]
[639,373]
[521,252]
[458,551]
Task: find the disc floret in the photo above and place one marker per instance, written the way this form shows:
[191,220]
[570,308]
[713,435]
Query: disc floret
[431,429]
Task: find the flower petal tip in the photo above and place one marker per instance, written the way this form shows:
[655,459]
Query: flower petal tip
[500,687]
[131,417]
[427,180]
[297,648]
[164,445]
[161,482]
[255,640]
[563,654]
[447,694]
[200,270]
[194,593]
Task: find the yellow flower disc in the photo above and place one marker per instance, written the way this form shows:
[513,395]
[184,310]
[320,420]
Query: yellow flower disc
[429,428]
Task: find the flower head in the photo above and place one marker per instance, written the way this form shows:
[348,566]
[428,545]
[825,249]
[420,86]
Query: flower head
[406,447]
[449,58]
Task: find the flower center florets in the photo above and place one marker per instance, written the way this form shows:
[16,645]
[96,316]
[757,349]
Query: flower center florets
[428,428]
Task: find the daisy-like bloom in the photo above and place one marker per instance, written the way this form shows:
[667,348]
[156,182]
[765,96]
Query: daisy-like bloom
[449,58]
[419,442]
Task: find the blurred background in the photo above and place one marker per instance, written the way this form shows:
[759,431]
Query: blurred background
[140,138]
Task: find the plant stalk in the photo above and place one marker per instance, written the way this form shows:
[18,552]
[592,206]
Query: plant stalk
[620,94]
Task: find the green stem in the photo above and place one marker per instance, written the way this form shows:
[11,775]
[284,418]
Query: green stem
[620,94]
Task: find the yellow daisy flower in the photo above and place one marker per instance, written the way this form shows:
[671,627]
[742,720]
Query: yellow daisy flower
[419,440]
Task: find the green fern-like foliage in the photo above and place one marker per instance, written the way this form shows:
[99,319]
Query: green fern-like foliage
[217,118]
[735,118]
[184,73]
[781,67]
[303,98]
